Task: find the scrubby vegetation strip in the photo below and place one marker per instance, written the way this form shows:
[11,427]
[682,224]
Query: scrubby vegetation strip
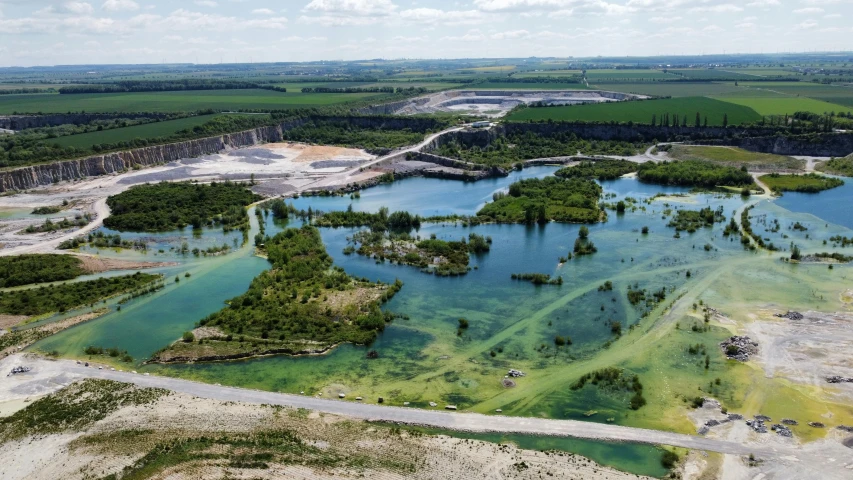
[38,268]
[168,206]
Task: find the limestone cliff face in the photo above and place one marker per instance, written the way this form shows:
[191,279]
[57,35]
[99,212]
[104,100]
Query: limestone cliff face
[40,175]
[820,145]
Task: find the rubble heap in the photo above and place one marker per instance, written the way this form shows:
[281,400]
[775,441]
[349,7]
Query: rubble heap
[790,315]
[739,348]
[788,421]
[18,370]
[839,379]
[781,430]
[757,425]
[515,373]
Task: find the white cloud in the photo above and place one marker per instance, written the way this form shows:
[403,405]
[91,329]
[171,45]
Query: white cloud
[808,10]
[120,5]
[664,19]
[432,16]
[832,15]
[262,11]
[352,7]
[806,25]
[205,3]
[81,8]
[763,3]
[722,8]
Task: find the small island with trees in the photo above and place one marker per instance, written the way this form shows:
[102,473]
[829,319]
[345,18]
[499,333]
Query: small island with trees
[301,306]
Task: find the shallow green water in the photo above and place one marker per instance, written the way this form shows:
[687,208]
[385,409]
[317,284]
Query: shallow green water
[628,457]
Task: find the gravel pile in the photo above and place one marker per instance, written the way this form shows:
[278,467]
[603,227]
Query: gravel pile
[739,348]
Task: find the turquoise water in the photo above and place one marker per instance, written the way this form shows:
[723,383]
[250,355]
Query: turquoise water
[833,206]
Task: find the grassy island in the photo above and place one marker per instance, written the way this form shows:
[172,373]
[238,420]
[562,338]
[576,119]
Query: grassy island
[169,206]
[441,257]
[693,173]
[599,169]
[38,268]
[302,305]
[808,183]
[572,200]
[59,298]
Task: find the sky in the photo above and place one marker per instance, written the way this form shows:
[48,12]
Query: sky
[46,32]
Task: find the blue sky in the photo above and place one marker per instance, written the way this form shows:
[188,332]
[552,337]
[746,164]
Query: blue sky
[45,32]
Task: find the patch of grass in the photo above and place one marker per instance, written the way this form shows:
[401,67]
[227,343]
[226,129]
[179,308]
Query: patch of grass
[837,166]
[126,134]
[175,101]
[784,106]
[75,408]
[38,268]
[808,183]
[599,170]
[735,157]
[642,111]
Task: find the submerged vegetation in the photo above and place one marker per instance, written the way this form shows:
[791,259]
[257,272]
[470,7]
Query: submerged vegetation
[168,206]
[692,220]
[529,201]
[538,279]
[441,257]
[301,305]
[614,381]
[38,268]
[59,298]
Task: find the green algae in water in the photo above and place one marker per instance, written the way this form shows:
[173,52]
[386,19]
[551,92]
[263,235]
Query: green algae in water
[627,457]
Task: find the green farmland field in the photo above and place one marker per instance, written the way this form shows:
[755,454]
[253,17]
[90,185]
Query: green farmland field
[671,89]
[174,101]
[148,130]
[735,157]
[709,74]
[593,75]
[782,106]
[642,111]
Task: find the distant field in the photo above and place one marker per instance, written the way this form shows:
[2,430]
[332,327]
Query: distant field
[642,111]
[524,86]
[548,73]
[173,101]
[735,156]
[148,130]
[614,74]
[708,74]
[670,89]
[489,69]
[763,71]
[782,106]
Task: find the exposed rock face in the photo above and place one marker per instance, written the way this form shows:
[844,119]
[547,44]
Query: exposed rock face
[39,175]
[815,145]
[21,122]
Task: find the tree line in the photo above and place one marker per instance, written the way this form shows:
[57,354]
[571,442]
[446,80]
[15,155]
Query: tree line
[126,86]
[38,268]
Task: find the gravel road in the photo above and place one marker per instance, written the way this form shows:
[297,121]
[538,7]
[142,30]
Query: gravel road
[63,371]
